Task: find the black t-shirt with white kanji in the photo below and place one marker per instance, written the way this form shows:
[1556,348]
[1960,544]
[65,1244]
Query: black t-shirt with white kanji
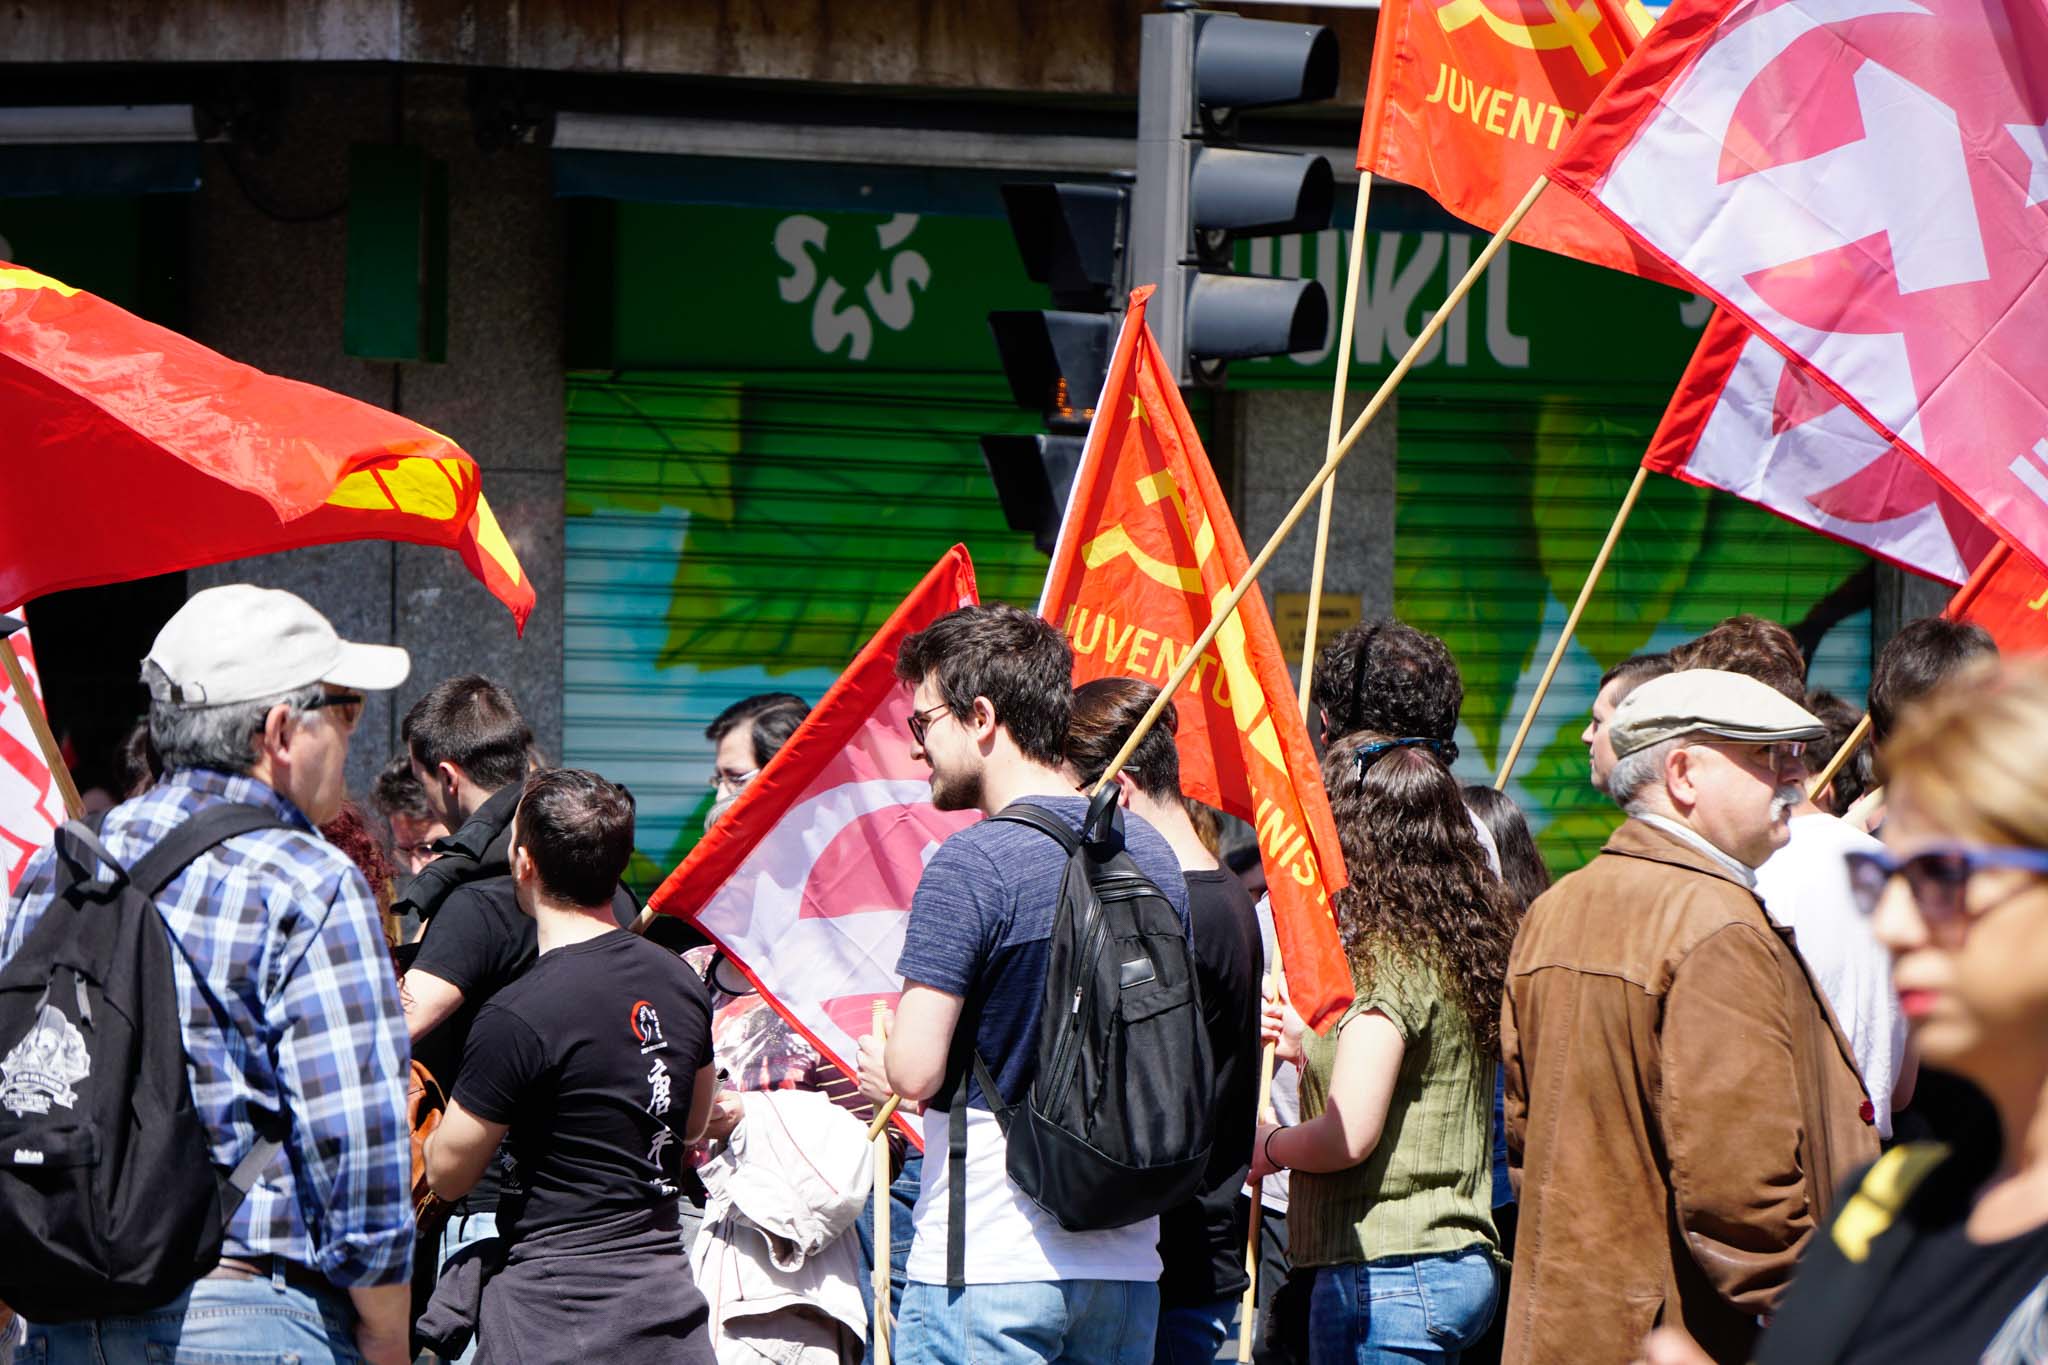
[590,1058]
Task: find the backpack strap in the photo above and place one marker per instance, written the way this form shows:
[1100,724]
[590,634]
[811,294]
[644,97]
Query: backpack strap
[154,871]
[182,846]
[956,1163]
[1042,820]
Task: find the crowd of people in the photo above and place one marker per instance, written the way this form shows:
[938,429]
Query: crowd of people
[1761,1081]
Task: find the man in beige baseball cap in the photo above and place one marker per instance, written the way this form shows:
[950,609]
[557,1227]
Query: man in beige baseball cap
[254,680]
[1680,1105]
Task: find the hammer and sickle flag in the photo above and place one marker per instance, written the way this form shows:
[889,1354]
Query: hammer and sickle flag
[1146,547]
[1470,100]
[130,450]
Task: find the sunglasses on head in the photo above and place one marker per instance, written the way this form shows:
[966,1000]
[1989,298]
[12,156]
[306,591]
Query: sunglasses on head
[1937,877]
[1368,754]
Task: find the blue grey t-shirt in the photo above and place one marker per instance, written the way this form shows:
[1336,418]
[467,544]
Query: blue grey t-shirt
[981,925]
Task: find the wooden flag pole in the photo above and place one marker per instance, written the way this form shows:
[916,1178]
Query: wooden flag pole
[1986,568]
[1571,623]
[1228,606]
[1849,745]
[878,1344]
[1248,1310]
[1345,328]
[38,722]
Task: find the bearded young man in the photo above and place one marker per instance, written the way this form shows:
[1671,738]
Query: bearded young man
[993,696]
[1680,1104]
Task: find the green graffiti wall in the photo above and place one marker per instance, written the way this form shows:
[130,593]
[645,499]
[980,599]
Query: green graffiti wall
[785,437]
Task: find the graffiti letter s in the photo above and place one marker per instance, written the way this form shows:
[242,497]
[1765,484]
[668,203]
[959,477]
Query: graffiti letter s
[830,324]
[893,305]
[792,235]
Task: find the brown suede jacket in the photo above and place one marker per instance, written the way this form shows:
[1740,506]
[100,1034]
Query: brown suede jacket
[1681,1105]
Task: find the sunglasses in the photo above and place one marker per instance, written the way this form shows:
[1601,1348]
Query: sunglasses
[347,706]
[1367,754]
[1937,878]
[921,722]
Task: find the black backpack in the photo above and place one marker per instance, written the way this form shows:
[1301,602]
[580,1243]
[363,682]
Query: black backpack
[109,1199]
[1118,1122]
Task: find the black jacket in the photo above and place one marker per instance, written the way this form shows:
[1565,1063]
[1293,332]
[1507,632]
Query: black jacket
[481,848]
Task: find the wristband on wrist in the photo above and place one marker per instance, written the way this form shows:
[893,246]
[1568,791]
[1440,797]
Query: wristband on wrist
[1272,1161]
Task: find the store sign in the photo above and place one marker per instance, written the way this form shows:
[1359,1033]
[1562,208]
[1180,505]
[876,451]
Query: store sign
[768,289]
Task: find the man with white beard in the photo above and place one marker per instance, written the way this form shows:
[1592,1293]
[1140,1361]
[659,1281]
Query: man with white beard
[1680,1104]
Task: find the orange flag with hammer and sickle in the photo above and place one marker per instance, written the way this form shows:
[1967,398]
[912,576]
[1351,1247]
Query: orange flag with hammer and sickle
[1147,546]
[130,450]
[1470,100]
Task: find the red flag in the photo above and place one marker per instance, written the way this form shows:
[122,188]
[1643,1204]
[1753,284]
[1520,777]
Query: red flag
[1750,422]
[133,451]
[31,807]
[2007,596]
[1470,99]
[1863,182]
[1147,545]
[806,882]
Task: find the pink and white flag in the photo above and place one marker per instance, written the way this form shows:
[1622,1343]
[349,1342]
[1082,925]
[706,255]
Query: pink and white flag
[1865,183]
[1750,422]
[806,882]
[30,806]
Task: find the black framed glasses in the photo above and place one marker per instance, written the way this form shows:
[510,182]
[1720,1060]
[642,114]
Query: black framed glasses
[921,722]
[347,706]
[1937,877]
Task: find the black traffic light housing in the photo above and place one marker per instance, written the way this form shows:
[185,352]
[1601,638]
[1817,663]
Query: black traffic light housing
[1197,190]
[1072,238]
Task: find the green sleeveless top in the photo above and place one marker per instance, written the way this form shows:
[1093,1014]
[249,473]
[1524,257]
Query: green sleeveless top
[1427,1188]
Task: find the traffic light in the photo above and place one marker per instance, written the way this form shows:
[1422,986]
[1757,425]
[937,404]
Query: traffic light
[1197,190]
[1072,240]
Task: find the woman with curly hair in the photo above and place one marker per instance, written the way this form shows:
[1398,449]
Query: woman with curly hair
[1391,1200]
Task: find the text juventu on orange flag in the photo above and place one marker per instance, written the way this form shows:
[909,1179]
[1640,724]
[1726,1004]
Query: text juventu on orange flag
[1470,100]
[1147,545]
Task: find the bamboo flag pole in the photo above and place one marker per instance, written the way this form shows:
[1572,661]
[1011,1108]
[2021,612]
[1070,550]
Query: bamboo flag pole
[1571,623]
[1346,326]
[1225,608]
[25,697]
[878,1344]
[1248,1310]
[1986,568]
[1345,329]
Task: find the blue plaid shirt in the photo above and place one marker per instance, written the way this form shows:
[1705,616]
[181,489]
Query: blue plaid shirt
[284,929]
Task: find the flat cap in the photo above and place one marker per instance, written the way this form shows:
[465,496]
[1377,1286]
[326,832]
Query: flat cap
[1711,702]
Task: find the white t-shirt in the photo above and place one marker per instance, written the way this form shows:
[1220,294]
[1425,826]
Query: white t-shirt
[1805,886]
[1010,1238]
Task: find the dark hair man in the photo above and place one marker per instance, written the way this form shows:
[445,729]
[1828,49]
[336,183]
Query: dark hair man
[398,796]
[1753,647]
[1201,1243]
[253,698]
[748,733]
[1615,684]
[468,746]
[1680,1107]
[1924,654]
[1852,779]
[991,701]
[595,1068]
[1389,677]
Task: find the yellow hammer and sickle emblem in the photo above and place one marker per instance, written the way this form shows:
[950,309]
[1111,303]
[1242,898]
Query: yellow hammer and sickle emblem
[1569,26]
[1247,699]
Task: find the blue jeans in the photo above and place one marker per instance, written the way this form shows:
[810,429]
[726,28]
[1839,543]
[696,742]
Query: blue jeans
[1401,1309]
[1193,1333]
[466,1230]
[215,1322]
[1089,1322]
[902,1202]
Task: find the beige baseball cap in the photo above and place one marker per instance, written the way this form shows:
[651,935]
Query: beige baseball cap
[1708,701]
[240,643]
